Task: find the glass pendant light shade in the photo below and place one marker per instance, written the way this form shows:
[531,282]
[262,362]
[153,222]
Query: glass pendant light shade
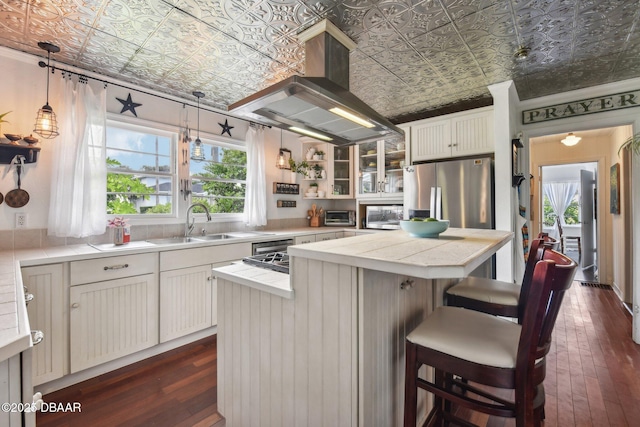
[197,153]
[282,161]
[46,123]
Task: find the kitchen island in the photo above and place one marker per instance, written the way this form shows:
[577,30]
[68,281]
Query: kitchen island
[331,350]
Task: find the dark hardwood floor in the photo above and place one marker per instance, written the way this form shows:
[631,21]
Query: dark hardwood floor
[593,378]
[176,388]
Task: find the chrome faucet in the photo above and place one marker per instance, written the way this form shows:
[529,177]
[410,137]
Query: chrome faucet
[188,226]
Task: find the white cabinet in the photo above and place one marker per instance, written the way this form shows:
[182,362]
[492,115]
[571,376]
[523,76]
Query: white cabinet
[308,238]
[188,289]
[454,135]
[340,172]
[185,301]
[113,312]
[46,314]
[380,166]
[318,237]
[10,390]
[332,173]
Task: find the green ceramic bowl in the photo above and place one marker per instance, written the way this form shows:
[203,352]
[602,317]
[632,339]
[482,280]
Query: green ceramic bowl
[424,228]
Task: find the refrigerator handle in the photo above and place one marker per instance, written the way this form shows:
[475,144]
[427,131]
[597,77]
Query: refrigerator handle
[432,203]
[438,203]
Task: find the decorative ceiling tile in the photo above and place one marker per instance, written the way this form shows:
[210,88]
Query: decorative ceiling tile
[412,56]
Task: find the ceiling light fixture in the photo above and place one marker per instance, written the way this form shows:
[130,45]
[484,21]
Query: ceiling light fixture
[350,116]
[198,154]
[571,140]
[522,53]
[310,133]
[282,162]
[46,123]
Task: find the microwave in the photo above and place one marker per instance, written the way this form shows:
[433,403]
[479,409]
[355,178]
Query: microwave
[340,218]
[386,217]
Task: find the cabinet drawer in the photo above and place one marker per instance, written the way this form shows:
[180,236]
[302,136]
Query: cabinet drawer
[182,258]
[98,270]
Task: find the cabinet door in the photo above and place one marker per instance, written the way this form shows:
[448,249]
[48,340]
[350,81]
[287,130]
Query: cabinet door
[431,140]
[392,159]
[112,319]
[369,176]
[185,301]
[46,314]
[309,238]
[472,134]
[325,236]
[340,178]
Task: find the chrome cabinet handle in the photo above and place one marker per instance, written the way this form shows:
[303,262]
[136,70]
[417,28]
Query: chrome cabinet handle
[28,298]
[37,337]
[75,305]
[115,267]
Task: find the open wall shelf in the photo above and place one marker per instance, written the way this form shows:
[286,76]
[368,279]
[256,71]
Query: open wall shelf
[9,151]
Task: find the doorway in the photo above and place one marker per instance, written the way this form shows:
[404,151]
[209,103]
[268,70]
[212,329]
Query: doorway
[569,213]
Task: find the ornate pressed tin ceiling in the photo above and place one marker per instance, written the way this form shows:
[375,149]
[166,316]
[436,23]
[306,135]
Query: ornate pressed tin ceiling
[412,56]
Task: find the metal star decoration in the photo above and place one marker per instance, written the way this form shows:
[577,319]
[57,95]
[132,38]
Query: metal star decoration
[128,105]
[226,128]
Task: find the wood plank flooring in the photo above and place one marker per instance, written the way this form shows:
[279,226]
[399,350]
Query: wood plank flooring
[593,378]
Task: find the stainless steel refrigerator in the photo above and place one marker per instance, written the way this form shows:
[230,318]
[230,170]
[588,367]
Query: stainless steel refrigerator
[458,190]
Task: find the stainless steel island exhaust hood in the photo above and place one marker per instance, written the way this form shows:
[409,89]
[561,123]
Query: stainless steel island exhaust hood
[320,104]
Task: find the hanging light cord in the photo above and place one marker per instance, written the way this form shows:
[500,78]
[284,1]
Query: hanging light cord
[48,60]
[198,119]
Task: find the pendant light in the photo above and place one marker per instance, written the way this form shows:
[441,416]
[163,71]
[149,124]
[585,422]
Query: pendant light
[571,140]
[282,161]
[46,122]
[198,154]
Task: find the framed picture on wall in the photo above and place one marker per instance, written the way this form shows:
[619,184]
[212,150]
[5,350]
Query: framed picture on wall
[614,179]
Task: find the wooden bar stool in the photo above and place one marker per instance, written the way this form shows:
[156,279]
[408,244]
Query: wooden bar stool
[495,296]
[564,239]
[487,350]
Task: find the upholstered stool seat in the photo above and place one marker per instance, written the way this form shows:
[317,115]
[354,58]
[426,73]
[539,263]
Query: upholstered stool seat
[494,296]
[469,335]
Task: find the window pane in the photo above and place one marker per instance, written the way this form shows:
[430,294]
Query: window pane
[133,194]
[140,176]
[219,181]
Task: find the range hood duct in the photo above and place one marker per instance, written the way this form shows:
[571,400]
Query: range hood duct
[304,104]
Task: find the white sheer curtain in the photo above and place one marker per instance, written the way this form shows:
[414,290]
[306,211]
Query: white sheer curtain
[79,172]
[255,203]
[560,195]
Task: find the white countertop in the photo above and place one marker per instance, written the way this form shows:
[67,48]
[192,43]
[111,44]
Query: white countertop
[262,279]
[454,254]
[15,333]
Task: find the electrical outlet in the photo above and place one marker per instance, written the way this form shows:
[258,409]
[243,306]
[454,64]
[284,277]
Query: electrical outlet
[21,220]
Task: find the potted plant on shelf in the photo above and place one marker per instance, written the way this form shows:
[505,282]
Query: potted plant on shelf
[319,155]
[632,143]
[313,187]
[301,167]
[317,171]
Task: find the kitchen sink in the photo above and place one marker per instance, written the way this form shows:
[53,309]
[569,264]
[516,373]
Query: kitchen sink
[172,240]
[208,237]
[190,239]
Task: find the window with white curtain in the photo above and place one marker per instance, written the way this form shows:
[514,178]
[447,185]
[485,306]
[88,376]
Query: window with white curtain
[141,176]
[219,181]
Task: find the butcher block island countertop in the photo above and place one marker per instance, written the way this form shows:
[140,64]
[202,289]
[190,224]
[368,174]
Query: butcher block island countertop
[331,352]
